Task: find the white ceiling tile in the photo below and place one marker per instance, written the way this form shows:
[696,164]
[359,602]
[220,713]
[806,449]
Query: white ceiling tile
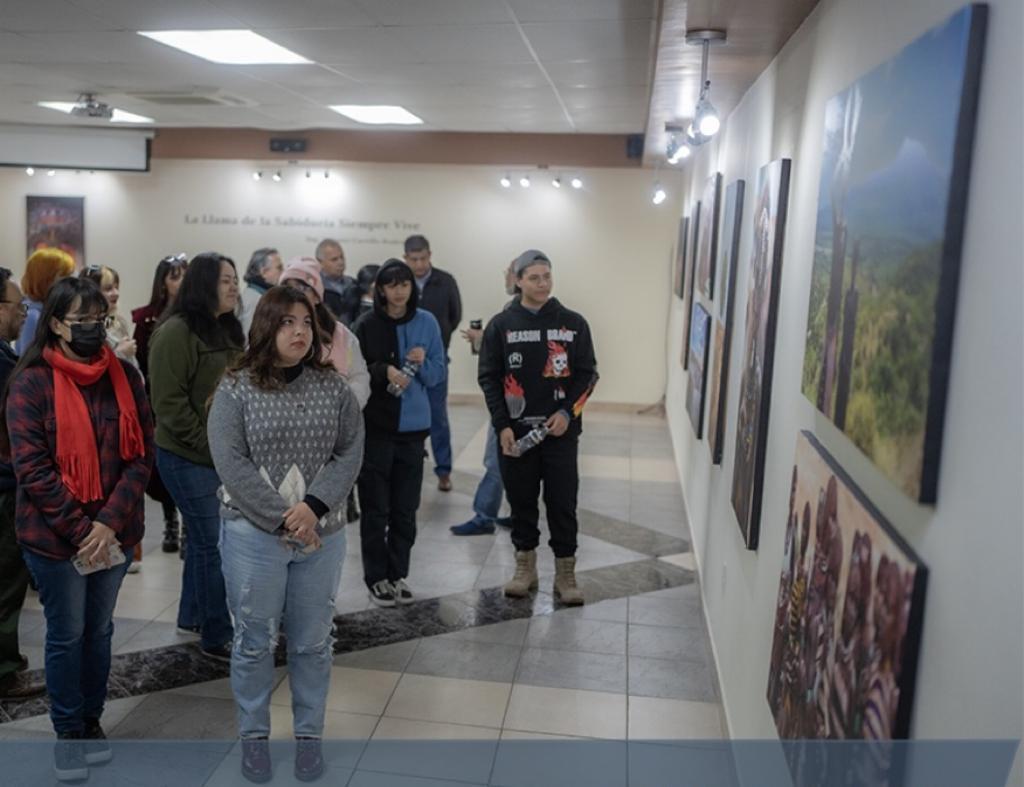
[600,73]
[436,12]
[289,14]
[368,46]
[559,41]
[498,43]
[47,16]
[179,15]
[581,10]
[298,77]
[494,75]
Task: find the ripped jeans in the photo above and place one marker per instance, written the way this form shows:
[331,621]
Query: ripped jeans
[266,581]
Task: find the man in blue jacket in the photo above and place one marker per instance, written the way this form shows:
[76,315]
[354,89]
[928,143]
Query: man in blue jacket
[405,355]
[13,573]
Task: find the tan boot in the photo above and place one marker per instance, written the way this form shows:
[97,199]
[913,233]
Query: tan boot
[566,589]
[525,578]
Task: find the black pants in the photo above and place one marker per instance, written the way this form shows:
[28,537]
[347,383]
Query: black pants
[13,583]
[389,494]
[553,462]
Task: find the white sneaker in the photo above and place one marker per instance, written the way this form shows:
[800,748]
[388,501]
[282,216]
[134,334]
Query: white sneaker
[382,593]
[134,567]
[403,595]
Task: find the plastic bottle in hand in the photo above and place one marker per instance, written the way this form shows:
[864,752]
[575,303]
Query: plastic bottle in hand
[532,438]
[409,369]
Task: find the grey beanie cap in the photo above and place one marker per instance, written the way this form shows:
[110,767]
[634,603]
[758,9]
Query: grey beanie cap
[528,258]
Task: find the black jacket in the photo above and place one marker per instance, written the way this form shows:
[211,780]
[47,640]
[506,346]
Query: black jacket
[533,365]
[440,297]
[8,360]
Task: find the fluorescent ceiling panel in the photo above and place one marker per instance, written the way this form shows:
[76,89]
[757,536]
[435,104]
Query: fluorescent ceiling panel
[233,47]
[378,114]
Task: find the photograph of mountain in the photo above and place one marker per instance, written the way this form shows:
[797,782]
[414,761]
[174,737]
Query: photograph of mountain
[891,203]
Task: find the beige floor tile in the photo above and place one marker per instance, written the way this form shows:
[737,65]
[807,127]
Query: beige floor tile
[683,560]
[452,700]
[412,729]
[652,718]
[144,603]
[338,726]
[663,470]
[589,714]
[520,735]
[352,690]
[604,467]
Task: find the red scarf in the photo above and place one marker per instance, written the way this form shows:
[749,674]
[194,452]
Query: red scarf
[77,456]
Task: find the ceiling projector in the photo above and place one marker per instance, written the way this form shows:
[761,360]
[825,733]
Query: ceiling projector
[89,106]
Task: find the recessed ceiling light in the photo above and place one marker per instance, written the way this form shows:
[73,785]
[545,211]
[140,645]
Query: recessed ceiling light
[377,114]
[524,181]
[234,47]
[577,183]
[30,171]
[505,181]
[119,116]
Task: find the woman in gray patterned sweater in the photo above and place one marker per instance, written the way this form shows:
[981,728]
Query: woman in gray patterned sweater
[286,435]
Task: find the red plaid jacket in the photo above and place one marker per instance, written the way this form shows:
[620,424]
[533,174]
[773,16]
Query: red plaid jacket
[48,519]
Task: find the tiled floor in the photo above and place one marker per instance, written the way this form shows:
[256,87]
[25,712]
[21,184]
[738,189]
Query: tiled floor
[623,669]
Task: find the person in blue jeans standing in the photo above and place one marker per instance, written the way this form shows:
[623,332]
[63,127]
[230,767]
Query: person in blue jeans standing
[79,432]
[286,434]
[438,293]
[188,354]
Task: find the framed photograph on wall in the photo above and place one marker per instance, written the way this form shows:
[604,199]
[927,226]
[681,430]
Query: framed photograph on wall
[696,382]
[728,250]
[679,269]
[848,615]
[891,205]
[707,236]
[688,287]
[763,282]
[56,223]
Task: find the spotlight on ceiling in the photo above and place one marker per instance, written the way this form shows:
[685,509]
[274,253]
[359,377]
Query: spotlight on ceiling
[30,171]
[308,174]
[327,174]
[257,175]
[659,194]
[51,172]
[277,176]
[576,183]
[706,122]
[505,181]
[557,183]
[524,181]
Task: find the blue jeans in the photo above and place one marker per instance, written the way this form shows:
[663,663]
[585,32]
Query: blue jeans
[440,432]
[79,625]
[194,489]
[265,577]
[487,501]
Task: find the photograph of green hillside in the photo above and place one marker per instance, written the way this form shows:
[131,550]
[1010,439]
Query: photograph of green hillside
[891,205]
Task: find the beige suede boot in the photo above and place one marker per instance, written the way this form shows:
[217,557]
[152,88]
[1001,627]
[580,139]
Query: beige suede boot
[525,578]
[566,589]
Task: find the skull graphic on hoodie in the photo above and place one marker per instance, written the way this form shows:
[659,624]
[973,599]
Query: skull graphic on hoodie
[558,361]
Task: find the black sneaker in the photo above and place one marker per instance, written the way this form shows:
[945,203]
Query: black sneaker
[218,652]
[382,593]
[403,595]
[69,763]
[309,759]
[189,631]
[97,750]
[256,765]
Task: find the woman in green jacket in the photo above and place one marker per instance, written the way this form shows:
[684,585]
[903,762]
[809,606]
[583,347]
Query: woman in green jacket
[188,353]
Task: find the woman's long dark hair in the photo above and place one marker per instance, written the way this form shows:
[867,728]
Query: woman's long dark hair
[160,299]
[260,360]
[59,300]
[197,302]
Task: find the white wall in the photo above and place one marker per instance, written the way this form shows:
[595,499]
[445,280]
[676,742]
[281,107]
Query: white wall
[610,246]
[970,673]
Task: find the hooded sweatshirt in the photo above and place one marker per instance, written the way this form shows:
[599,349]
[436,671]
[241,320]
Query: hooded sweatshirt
[385,342]
[534,364]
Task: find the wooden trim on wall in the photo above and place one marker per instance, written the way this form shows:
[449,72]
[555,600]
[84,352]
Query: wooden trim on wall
[400,147]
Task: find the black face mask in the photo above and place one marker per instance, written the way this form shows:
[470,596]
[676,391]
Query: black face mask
[87,339]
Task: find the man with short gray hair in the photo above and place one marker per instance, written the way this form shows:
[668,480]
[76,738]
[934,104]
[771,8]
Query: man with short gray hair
[261,274]
[331,257]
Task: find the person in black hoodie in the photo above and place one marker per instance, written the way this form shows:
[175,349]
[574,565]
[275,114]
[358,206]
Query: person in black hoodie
[397,419]
[537,369]
[14,685]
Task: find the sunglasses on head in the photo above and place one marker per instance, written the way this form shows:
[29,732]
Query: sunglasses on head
[176,259]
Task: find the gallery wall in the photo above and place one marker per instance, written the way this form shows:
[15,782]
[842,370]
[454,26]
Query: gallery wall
[969,681]
[609,244]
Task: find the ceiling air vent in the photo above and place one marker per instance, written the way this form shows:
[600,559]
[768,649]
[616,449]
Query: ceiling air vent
[193,99]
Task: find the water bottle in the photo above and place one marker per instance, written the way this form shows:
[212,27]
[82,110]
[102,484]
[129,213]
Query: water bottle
[532,438]
[475,325]
[409,369]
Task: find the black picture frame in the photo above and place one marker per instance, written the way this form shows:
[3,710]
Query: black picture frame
[697,379]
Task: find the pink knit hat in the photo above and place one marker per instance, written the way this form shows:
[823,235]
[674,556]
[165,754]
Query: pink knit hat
[305,269]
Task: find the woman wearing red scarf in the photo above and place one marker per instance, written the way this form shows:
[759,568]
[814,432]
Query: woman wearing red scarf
[79,431]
